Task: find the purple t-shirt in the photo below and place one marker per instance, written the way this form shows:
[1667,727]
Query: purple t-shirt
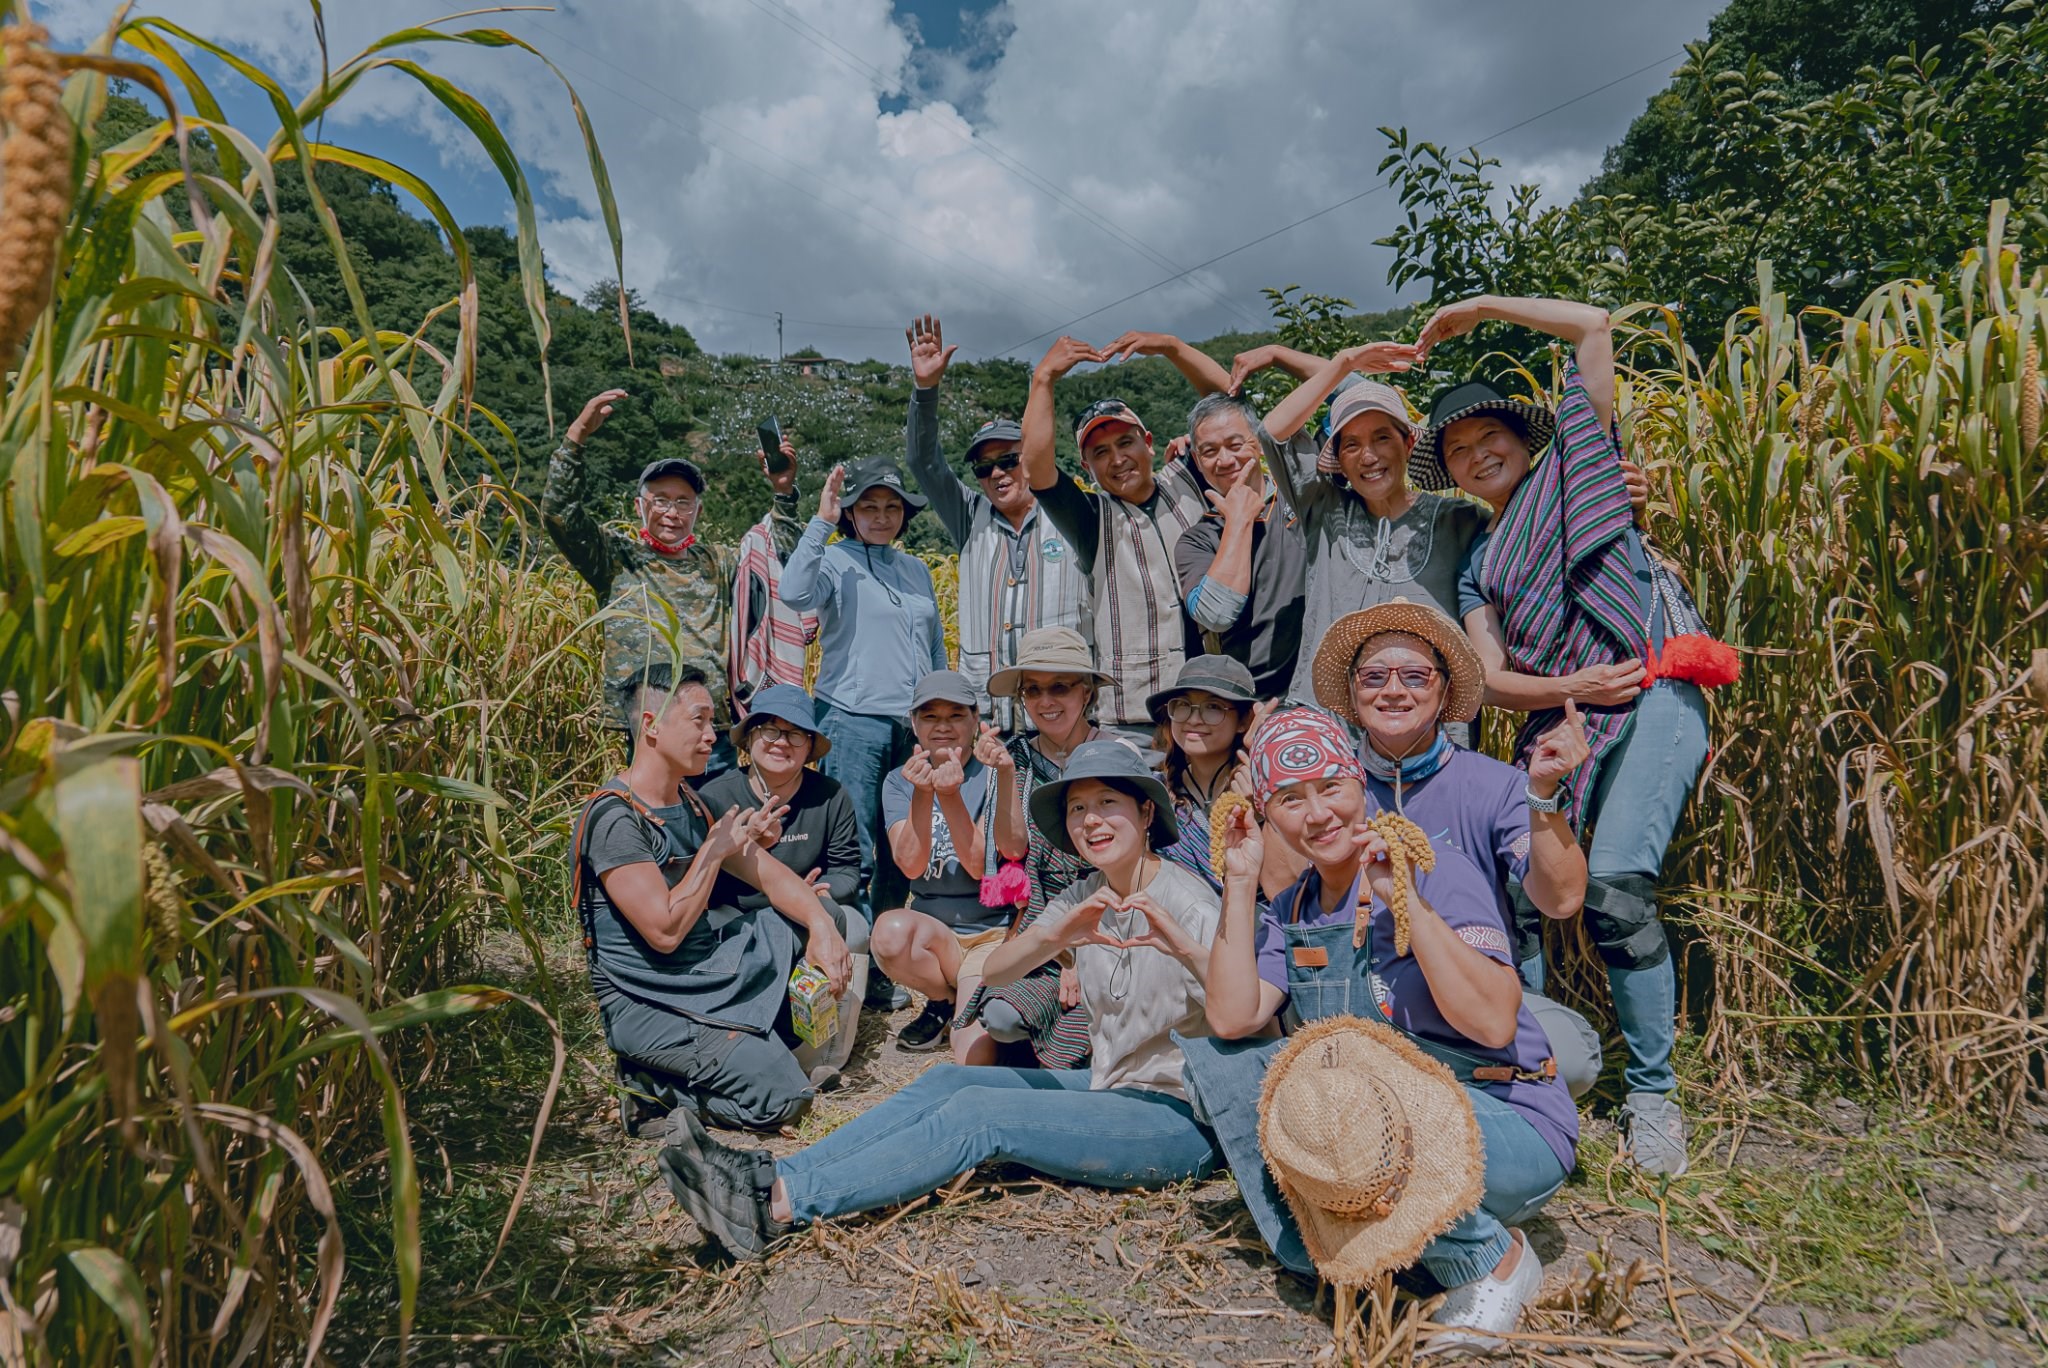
[1474,804]
[1462,896]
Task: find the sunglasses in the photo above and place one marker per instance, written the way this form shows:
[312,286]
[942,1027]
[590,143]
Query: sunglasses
[984,469]
[1416,677]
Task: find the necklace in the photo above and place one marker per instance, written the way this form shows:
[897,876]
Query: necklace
[1058,754]
[1383,568]
[1206,798]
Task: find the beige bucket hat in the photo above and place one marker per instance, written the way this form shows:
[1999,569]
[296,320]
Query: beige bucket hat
[1340,648]
[1372,1142]
[1048,650]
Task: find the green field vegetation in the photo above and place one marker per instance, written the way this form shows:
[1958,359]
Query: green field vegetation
[297,702]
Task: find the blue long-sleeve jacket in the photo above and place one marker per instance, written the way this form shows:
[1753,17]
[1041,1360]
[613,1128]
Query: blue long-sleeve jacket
[878,620]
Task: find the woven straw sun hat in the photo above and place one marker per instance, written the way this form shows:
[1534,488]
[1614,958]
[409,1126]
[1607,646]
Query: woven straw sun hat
[1373,1144]
[1048,650]
[1425,620]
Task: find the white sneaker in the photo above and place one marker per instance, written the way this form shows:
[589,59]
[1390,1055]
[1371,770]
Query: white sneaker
[1475,1312]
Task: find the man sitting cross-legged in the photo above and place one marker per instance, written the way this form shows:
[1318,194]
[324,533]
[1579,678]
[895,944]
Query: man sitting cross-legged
[694,994]
[937,809]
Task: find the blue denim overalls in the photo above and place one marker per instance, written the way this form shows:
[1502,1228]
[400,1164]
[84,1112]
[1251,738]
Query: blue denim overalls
[1326,976]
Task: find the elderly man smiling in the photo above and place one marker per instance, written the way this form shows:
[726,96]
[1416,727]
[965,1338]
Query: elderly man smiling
[660,581]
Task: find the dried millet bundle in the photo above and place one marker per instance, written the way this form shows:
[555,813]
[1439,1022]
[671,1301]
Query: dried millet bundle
[35,177]
[1406,845]
[2030,399]
[1226,803]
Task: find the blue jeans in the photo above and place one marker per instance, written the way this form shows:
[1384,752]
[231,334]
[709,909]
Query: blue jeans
[864,749]
[953,1117]
[1522,1173]
[1636,803]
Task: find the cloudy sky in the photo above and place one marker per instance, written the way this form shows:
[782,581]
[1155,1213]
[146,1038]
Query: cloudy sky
[1019,168]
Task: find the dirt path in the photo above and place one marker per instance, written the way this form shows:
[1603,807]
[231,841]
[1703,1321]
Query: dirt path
[1801,1237]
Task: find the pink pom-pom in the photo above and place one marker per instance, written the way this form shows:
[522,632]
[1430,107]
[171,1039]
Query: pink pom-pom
[1009,886]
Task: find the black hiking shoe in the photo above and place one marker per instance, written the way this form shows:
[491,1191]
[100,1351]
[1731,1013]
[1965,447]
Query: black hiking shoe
[929,1030]
[642,1115]
[724,1189]
[884,993]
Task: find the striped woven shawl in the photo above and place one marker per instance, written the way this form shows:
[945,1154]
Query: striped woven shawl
[1557,569]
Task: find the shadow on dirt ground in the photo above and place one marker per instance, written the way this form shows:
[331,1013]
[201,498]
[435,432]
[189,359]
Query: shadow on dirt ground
[1808,1232]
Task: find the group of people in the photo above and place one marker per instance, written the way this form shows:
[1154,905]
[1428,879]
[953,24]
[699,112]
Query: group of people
[1192,859]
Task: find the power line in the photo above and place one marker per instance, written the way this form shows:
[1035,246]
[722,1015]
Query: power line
[1332,208]
[757,313]
[1004,160]
[803,170]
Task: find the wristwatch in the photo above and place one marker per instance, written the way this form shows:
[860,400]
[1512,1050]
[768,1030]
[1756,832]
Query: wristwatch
[1554,803]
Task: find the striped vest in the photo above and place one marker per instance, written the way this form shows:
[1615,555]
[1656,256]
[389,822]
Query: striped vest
[997,609]
[1140,639]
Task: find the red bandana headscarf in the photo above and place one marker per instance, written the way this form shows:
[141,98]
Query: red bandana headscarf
[1297,744]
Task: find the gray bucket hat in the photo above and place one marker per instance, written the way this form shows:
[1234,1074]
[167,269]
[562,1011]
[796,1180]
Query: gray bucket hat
[1224,676]
[876,472]
[1105,758]
[785,703]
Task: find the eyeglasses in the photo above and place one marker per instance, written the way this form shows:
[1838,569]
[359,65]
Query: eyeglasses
[788,736]
[1417,677]
[658,504]
[1187,710]
[984,469]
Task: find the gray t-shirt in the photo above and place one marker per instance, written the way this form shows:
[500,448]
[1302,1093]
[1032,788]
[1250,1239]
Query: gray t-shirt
[945,890]
[730,970]
[1356,560]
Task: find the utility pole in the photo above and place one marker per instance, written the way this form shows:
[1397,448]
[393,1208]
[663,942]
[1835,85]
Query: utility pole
[778,334]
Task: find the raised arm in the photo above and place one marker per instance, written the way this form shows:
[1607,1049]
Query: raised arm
[1240,1003]
[564,499]
[1372,358]
[1586,326]
[805,583]
[950,499]
[1203,371]
[1040,466]
[1299,364]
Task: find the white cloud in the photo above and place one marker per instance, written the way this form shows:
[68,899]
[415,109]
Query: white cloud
[760,167]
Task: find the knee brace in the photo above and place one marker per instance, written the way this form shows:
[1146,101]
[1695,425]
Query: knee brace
[1002,1021]
[1621,913]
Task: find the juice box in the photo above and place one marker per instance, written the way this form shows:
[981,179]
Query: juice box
[813,1011]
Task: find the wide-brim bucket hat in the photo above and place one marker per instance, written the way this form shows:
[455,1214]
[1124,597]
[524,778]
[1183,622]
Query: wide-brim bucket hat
[1332,669]
[1104,758]
[1224,676]
[1426,469]
[877,472]
[1048,650]
[786,703]
[1372,1143]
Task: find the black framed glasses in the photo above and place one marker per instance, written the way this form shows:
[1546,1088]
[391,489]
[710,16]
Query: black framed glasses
[1187,710]
[788,736]
[1417,677]
[984,469]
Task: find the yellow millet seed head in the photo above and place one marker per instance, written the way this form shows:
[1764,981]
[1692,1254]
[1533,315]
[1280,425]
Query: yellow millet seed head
[35,178]
[2030,400]
[1219,824]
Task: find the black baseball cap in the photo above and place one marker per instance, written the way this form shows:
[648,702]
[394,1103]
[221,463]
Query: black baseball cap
[684,470]
[999,430]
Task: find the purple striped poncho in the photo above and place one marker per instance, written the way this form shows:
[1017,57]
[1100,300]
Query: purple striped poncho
[1557,568]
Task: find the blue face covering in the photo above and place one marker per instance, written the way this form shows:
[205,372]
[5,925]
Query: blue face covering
[1412,770]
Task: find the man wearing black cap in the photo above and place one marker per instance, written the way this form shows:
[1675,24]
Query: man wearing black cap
[1017,572]
[669,593]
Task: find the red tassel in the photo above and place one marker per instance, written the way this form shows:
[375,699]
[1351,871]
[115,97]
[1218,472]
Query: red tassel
[1697,659]
[1009,886]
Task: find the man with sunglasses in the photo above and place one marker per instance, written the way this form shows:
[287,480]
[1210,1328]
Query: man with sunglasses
[669,592]
[1124,535]
[1017,573]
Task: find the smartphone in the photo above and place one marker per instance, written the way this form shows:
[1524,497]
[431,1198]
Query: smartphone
[771,445]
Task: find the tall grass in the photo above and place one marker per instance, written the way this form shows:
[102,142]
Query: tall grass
[284,699]
[1860,501]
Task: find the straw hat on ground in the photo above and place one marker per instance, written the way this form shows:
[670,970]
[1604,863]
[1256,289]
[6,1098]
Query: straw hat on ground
[1425,620]
[1372,1142]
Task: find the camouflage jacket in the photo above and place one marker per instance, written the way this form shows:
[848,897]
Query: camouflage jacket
[652,596]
